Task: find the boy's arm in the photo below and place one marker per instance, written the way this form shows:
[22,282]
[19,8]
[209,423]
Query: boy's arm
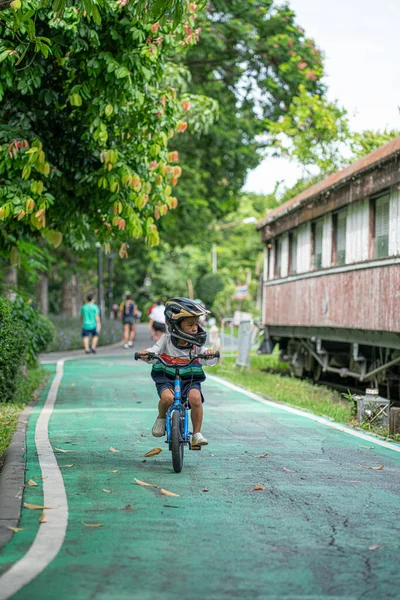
[156,349]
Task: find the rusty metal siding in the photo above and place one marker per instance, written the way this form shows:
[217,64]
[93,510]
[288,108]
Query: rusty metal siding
[327,242]
[362,299]
[357,232]
[394,222]
[304,248]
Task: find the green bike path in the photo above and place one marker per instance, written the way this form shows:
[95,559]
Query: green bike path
[324,526]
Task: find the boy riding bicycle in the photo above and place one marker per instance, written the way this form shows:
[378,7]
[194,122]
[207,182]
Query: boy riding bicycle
[184,340]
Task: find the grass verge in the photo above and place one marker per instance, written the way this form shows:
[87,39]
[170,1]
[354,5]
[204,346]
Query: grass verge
[319,400]
[10,411]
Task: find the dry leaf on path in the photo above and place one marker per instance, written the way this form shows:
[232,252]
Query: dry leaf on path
[373,468]
[72,384]
[257,487]
[92,524]
[43,518]
[67,466]
[205,490]
[16,529]
[60,450]
[288,470]
[167,493]
[258,455]
[113,449]
[127,507]
[369,447]
[107,491]
[374,547]
[144,483]
[35,506]
[153,452]
[114,471]
[142,435]
[32,483]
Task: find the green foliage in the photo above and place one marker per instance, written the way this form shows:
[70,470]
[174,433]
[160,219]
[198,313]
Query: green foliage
[12,350]
[365,142]
[39,331]
[68,333]
[85,131]
[260,66]
[208,287]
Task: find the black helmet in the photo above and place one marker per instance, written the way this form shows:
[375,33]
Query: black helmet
[178,309]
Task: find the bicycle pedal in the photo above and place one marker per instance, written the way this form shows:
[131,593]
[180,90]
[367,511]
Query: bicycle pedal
[195,448]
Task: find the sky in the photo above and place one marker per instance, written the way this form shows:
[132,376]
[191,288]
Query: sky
[360,41]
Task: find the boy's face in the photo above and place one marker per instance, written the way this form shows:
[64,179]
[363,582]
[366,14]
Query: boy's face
[190,325]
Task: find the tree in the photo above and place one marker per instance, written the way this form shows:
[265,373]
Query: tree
[260,66]
[86,132]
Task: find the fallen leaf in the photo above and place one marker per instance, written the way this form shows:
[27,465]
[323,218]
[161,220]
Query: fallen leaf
[144,460]
[288,470]
[144,483]
[67,466]
[24,422]
[114,471]
[92,524]
[374,547]
[72,384]
[16,529]
[205,490]
[257,487]
[167,493]
[31,482]
[142,435]
[373,468]
[43,518]
[369,447]
[153,452]
[127,450]
[128,506]
[113,449]
[107,491]
[35,506]
[259,455]
[60,450]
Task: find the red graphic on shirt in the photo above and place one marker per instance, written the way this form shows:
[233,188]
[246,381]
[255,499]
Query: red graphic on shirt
[177,360]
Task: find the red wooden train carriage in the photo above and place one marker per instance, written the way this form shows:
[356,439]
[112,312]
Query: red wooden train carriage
[331,290]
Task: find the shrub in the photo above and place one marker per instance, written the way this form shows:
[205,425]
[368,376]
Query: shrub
[13,350]
[40,332]
[69,329]
[208,287]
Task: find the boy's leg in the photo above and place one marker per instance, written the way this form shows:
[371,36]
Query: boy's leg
[166,400]
[95,339]
[126,333]
[132,333]
[196,405]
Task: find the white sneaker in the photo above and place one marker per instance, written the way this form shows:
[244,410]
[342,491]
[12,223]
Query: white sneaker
[126,346]
[158,427]
[198,439]
[130,344]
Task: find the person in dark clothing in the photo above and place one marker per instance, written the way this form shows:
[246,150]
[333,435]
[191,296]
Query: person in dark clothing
[128,313]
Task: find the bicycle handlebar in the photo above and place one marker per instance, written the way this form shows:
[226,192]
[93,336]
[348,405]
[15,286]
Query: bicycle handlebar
[152,356]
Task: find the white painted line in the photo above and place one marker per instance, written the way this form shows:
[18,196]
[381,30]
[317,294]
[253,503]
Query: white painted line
[301,413]
[50,535]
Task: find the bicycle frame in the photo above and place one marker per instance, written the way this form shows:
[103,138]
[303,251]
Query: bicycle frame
[177,405]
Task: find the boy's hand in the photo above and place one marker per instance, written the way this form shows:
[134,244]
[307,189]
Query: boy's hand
[210,351]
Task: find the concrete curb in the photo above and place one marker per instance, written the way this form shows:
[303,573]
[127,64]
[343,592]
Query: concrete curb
[12,478]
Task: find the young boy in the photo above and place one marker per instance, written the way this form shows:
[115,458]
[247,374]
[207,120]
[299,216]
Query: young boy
[184,339]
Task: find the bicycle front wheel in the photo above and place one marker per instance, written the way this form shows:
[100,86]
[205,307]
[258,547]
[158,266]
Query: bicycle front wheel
[176,441]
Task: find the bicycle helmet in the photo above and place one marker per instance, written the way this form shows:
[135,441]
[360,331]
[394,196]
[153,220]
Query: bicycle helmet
[178,309]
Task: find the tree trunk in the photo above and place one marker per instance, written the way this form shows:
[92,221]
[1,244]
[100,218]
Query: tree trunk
[10,285]
[42,294]
[70,297]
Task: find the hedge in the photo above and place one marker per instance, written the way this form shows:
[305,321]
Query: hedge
[13,350]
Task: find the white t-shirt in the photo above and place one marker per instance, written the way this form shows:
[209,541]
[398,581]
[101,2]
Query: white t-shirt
[157,314]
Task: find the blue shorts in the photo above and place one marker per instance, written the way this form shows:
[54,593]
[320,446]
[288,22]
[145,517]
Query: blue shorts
[87,332]
[185,389]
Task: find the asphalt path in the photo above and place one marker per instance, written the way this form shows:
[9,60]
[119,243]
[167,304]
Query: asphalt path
[324,524]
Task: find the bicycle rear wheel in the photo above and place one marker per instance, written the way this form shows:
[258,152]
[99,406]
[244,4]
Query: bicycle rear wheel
[176,441]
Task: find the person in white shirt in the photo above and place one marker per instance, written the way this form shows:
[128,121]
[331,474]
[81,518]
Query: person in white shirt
[157,321]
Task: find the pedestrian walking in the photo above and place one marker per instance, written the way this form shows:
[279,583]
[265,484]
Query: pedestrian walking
[91,324]
[128,313]
[157,321]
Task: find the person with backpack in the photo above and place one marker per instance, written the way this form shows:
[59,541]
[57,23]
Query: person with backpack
[128,313]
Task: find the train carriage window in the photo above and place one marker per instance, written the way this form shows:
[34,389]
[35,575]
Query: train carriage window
[340,237]
[293,253]
[382,226]
[317,243]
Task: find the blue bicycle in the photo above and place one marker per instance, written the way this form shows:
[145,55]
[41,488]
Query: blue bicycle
[177,420]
